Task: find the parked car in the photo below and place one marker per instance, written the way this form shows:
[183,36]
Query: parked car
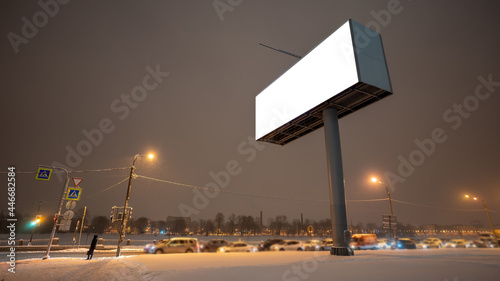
[213,245]
[176,245]
[288,245]
[455,243]
[147,248]
[237,247]
[312,245]
[405,243]
[383,243]
[491,244]
[326,244]
[476,244]
[364,242]
[437,241]
[266,246]
[428,244]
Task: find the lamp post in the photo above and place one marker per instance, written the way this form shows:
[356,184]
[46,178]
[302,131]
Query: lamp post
[125,207]
[390,206]
[488,214]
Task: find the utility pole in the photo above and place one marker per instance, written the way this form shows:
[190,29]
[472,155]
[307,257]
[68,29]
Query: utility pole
[491,224]
[390,207]
[58,214]
[489,217]
[126,212]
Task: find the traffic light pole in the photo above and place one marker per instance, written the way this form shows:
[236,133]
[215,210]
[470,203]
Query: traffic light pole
[33,230]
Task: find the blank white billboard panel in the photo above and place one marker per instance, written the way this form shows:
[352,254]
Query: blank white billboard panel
[349,58]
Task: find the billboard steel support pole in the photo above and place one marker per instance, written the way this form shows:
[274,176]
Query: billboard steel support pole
[340,231]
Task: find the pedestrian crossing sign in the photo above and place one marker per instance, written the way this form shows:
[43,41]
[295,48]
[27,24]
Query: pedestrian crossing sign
[43,174]
[73,193]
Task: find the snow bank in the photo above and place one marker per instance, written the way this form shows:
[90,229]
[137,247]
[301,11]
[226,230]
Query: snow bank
[383,265]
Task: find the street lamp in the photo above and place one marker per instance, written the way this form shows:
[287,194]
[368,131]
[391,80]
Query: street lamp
[488,214]
[375,180]
[125,208]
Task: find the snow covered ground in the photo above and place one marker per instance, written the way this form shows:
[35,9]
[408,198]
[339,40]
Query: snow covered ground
[436,264]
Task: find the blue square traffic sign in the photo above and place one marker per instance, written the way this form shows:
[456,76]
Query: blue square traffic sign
[74,193]
[43,174]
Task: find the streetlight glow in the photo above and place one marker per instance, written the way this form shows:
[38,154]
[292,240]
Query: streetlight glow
[496,241]
[375,180]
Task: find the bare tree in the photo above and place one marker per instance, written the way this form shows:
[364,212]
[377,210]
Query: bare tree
[219,221]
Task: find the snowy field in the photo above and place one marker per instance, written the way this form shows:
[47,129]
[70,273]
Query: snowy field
[383,265]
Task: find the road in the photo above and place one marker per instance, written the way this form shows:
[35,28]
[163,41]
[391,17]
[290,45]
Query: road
[379,265]
[82,253]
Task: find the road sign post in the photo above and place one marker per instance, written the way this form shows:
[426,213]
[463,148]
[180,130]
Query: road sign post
[61,202]
[389,222]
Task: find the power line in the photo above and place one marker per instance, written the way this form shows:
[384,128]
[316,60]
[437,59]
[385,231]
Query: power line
[248,194]
[229,192]
[80,171]
[114,185]
[442,208]
[297,199]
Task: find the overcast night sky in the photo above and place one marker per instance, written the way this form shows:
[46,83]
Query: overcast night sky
[73,75]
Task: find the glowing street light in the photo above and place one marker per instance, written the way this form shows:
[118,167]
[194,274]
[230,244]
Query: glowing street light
[125,208]
[488,214]
[375,180]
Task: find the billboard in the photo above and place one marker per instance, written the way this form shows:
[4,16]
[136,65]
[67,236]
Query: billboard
[347,71]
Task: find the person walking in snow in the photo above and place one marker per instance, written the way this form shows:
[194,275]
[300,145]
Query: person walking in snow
[90,252]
